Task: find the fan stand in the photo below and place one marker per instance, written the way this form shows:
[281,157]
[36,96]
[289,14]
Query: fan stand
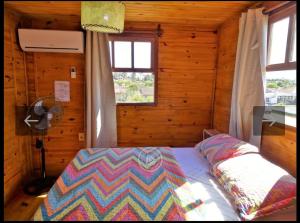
[44,183]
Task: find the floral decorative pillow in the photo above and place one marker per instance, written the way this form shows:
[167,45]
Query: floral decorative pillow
[257,186]
[223,146]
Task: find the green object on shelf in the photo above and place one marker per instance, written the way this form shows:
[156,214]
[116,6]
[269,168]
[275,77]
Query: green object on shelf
[103,16]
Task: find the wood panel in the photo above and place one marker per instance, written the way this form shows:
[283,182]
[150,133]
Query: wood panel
[187,68]
[61,142]
[17,151]
[186,72]
[227,44]
[281,149]
[278,149]
[201,13]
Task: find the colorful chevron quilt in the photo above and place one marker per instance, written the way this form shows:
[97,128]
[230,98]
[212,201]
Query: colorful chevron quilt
[140,183]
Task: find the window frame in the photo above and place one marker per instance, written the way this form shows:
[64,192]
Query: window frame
[138,36]
[274,17]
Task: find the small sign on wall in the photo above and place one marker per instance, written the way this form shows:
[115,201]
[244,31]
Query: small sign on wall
[62,91]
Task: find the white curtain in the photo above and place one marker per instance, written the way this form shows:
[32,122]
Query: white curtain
[248,90]
[101,128]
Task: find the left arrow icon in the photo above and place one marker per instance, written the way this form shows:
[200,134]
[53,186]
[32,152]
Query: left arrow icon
[27,120]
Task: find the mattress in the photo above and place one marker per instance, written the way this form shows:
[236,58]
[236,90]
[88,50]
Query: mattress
[216,204]
[134,183]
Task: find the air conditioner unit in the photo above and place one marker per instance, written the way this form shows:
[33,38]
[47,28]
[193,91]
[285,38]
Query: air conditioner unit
[40,40]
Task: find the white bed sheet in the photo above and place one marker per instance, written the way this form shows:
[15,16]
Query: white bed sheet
[216,205]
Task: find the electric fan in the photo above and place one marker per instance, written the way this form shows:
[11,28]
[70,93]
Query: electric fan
[43,114]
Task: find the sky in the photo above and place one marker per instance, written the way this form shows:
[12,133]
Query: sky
[286,74]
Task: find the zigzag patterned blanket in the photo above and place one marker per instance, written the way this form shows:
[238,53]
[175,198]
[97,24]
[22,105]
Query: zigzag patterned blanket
[140,183]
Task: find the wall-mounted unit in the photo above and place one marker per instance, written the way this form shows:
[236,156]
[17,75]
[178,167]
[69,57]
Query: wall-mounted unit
[56,41]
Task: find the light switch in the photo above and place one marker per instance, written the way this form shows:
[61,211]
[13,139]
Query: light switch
[73,72]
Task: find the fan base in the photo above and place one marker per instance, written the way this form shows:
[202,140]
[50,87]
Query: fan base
[39,186]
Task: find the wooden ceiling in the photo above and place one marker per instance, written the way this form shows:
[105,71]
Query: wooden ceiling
[208,14]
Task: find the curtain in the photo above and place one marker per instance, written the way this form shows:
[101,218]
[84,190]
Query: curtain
[248,90]
[101,128]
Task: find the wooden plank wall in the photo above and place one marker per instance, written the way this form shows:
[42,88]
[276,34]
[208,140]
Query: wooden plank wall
[281,149]
[186,74]
[278,149]
[61,142]
[17,151]
[227,44]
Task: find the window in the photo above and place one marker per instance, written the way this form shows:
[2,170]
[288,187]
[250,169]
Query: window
[134,68]
[280,87]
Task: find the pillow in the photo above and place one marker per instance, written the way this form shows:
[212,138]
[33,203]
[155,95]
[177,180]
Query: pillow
[223,146]
[257,186]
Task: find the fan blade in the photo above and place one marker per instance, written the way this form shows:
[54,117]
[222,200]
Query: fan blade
[39,109]
[55,109]
[43,124]
[49,116]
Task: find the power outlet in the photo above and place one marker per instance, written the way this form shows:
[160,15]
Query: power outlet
[81,136]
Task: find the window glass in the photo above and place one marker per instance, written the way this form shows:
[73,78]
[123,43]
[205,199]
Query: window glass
[280,90]
[142,54]
[278,41]
[294,47]
[110,50]
[122,51]
[133,87]
[133,68]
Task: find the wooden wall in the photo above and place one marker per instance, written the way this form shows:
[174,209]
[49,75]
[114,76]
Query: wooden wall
[189,67]
[186,74]
[62,142]
[281,149]
[227,44]
[17,151]
[278,149]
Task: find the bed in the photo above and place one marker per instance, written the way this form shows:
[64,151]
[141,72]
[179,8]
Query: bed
[188,191]
[216,204]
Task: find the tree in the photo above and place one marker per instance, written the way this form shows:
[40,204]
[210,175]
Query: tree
[272,85]
[137,97]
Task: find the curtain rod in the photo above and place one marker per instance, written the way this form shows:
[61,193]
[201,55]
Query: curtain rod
[278,7]
[272,9]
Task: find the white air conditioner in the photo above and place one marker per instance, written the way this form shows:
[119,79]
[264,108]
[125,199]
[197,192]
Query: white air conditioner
[41,40]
